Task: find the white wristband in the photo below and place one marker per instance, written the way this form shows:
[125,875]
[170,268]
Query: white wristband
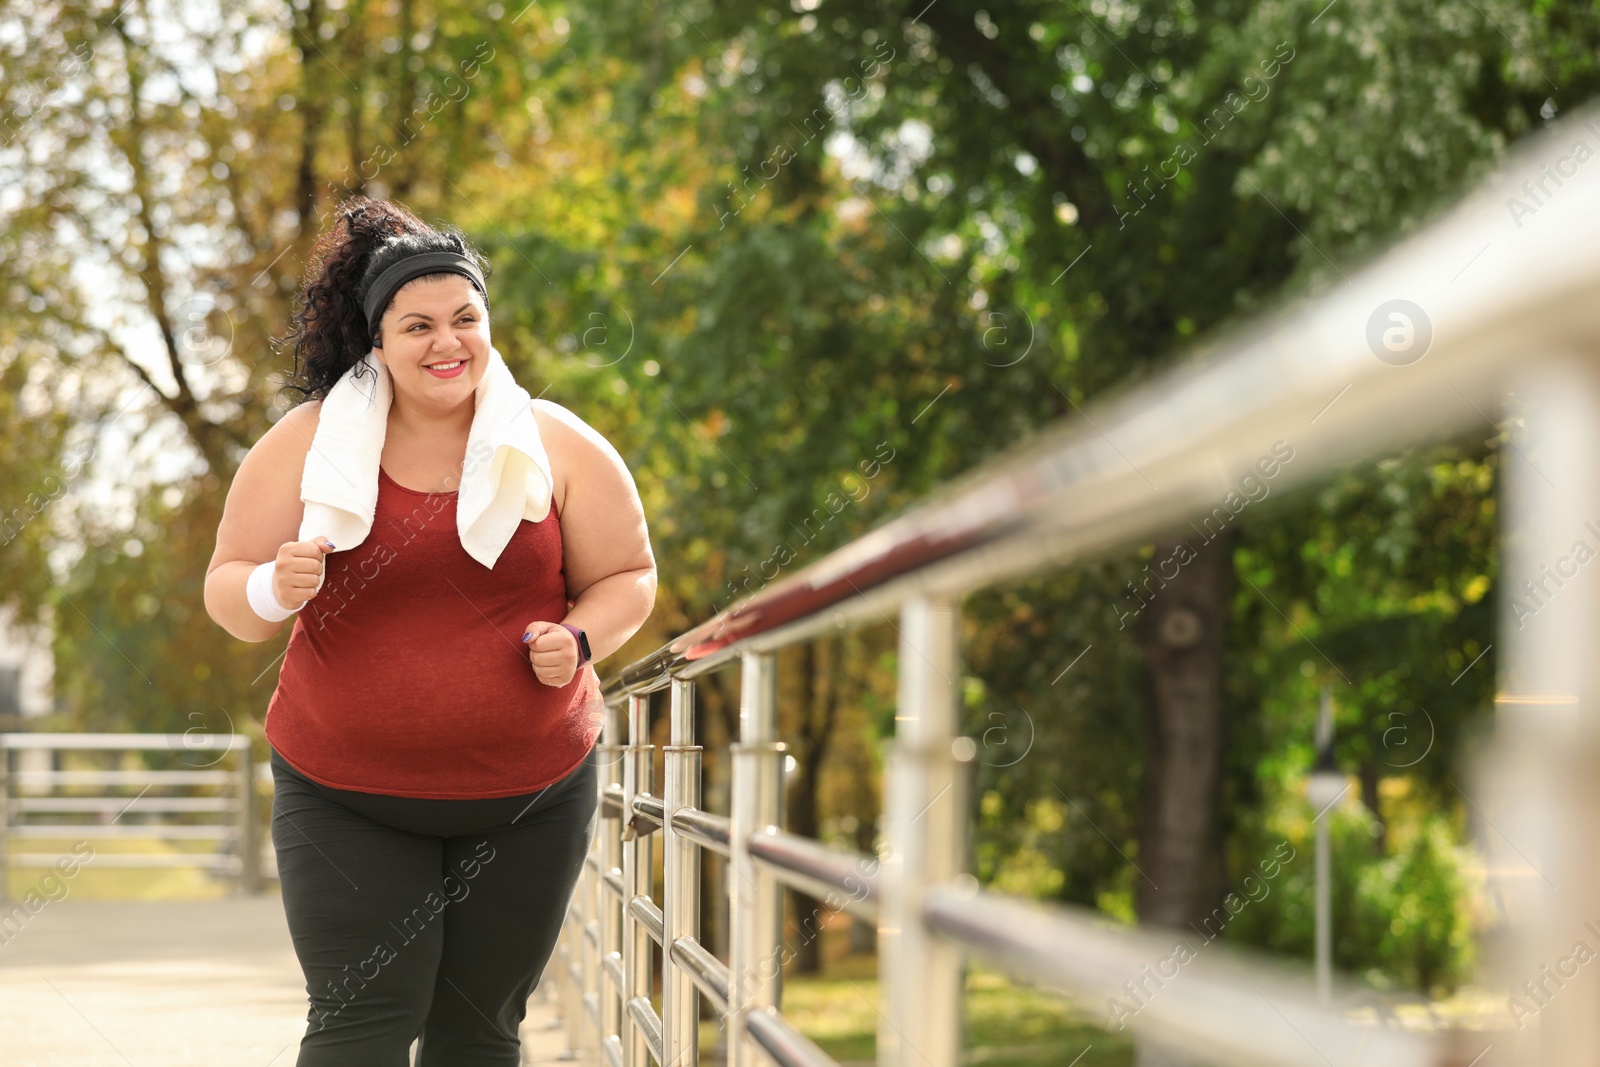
[263,601]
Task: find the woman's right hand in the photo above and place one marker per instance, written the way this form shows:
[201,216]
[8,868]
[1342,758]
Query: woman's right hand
[297,575]
[260,525]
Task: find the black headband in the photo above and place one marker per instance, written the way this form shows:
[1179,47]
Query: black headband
[381,289]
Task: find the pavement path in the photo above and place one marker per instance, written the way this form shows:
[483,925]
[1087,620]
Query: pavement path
[198,984]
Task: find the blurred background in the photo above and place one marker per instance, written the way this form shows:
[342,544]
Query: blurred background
[802,262]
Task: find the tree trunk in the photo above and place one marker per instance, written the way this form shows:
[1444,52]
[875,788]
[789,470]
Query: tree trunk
[410,124]
[718,724]
[1374,802]
[1186,597]
[1186,600]
[820,687]
[308,27]
[355,44]
[864,932]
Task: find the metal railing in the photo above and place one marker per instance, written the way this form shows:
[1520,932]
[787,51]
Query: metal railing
[1512,306]
[195,803]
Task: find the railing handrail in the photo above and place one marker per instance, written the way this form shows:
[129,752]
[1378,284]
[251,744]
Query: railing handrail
[1489,288]
[1164,451]
[142,742]
[235,814]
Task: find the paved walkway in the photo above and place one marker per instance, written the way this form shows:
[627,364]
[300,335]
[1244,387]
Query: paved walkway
[215,984]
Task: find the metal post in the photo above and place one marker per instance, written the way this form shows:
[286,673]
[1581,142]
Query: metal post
[5,822]
[584,1024]
[1324,871]
[556,985]
[249,818]
[636,878]
[608,907]
[585,1021]
[925,818]
[567,993]
[1540,802]
[755,907]
[680,1000]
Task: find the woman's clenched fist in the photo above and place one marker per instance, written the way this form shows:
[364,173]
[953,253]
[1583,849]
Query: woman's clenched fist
[553,651]
[297,573]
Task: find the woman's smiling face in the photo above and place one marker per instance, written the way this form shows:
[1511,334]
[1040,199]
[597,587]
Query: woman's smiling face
[436,341]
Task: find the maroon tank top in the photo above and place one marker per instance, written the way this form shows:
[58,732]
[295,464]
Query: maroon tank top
[406,674]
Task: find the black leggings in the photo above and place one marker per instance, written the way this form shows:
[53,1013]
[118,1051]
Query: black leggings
[434,917]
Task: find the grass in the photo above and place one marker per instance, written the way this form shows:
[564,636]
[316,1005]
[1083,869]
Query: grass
[103,882]
[1005,1024]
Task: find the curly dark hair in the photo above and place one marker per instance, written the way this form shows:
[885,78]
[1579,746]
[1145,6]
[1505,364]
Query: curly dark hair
[329,327]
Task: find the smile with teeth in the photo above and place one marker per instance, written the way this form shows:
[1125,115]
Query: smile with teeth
[447,369]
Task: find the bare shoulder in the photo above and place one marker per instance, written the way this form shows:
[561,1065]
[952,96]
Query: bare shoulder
[574,439]
[280,455]
[563,421]
[263,509]
[580,455]
[295,430]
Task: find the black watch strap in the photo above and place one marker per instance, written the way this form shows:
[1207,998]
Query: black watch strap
[584,655]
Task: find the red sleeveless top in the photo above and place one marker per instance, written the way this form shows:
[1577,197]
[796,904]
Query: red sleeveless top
[406,674]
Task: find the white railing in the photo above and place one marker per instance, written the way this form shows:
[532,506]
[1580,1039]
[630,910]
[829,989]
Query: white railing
[216,800]
[1513,307]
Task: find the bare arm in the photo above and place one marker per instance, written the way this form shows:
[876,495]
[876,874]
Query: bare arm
[262,516]
[605,545]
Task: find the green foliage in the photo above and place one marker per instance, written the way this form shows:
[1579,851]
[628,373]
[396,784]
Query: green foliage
[138,649]
[37,468]
[1403,918]
[1058,731]
[1412,913]
[753,244]
[1391,570]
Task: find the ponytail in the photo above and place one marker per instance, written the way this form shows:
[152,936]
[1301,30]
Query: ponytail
[329,328]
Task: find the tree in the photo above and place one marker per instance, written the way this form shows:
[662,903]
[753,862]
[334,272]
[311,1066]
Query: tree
[802,266]
[1123,180]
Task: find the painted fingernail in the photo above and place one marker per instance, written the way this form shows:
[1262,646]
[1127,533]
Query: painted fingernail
[526,638]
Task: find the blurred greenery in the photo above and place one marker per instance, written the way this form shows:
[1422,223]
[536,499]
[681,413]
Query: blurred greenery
[769,249]
[1005,1023]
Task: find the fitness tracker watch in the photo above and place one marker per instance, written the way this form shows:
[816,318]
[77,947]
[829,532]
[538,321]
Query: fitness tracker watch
[584,655]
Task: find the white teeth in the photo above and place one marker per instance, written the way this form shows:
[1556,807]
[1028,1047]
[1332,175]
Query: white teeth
[445,366]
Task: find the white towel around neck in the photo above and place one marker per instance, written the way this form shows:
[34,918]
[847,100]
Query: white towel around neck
[506,477]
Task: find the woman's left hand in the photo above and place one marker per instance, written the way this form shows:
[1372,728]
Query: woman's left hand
[553,651]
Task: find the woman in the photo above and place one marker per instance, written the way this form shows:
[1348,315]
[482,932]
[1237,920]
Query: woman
[435,783]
